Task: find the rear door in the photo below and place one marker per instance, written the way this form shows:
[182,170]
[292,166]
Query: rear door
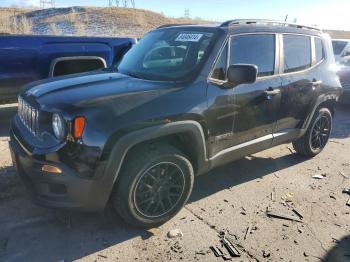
[301,79]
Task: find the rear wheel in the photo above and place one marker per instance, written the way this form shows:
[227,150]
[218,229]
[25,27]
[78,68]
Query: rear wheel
[154,185]
[317,135]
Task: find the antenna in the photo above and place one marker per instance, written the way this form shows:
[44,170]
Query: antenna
[47,3]
[122,3]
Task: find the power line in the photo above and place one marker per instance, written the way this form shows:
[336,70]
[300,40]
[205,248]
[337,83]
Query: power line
[47,3]
[122,3]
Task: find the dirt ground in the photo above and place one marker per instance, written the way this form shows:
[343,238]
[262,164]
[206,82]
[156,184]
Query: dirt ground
[232,199]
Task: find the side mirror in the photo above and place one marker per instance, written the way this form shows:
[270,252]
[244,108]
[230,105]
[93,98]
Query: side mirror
[238,74]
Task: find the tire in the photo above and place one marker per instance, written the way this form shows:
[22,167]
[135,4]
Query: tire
[307,144]
[137,184]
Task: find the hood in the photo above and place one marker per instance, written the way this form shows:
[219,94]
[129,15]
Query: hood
[89,88]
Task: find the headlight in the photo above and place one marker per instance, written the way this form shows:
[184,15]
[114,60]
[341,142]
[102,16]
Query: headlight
[58,126]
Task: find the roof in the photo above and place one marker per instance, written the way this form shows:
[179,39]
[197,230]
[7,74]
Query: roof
[267,22]
[257,25]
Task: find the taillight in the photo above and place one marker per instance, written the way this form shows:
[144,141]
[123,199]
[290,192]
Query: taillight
[78,127]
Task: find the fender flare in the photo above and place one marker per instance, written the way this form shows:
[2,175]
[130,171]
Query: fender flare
[123,145]
[321,99]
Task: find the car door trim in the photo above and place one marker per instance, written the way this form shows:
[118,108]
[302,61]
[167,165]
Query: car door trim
[276,139]
[240,146]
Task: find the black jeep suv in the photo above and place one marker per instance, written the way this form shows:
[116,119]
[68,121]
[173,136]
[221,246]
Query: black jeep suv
[182,101]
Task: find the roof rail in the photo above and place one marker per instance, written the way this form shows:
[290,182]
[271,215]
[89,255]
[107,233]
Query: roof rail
[266,21]
[169,25]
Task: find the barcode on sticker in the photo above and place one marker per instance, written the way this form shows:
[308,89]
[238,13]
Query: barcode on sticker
[189,37]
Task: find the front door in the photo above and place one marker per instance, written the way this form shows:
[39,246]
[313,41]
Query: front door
[256,105]
[220,112]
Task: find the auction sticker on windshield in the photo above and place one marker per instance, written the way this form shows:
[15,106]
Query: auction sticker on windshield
[185,37]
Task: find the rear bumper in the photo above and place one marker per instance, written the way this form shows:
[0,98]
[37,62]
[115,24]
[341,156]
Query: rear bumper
[65,190]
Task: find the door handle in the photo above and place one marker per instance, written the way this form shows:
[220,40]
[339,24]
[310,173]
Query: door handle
[269,93]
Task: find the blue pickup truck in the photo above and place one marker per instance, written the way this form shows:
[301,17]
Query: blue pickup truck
[24,59]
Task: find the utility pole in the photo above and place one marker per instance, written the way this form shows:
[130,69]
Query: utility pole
[47,3]
[187,13]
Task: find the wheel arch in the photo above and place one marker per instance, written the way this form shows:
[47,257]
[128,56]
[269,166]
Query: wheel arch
[328,101]
[190,133]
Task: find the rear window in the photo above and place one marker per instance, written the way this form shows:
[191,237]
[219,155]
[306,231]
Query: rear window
[297,53]
[338,46]
[258,50]
[319,51]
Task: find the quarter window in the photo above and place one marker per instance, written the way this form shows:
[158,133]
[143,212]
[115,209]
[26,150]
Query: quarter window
[219,71]
[319,50]
[258,50]
[338,47]
[347,52]
[297,53]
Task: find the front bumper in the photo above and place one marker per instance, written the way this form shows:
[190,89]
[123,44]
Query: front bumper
[65,190]
[345,97]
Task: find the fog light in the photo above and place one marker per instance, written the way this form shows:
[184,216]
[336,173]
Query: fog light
[51,169]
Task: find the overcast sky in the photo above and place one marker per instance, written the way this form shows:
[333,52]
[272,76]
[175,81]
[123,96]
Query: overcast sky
[328,14]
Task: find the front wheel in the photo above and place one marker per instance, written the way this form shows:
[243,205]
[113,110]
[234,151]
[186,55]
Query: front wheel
[317,135]
[155,183]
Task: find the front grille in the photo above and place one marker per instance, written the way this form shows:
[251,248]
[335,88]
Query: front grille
[29,116]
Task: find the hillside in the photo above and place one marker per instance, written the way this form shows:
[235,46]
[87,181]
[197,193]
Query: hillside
[337,34]
[82,21]
[88,21]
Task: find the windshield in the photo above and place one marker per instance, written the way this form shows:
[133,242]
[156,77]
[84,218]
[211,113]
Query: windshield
[170,54]
[338,46]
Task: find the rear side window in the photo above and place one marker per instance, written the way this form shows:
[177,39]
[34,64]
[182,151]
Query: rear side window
[297,53]
[258,50]
[338,46]
[319,51]
[347,52]
[219,71]
[78,65]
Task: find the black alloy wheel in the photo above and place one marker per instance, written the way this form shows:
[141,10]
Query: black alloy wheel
[154,184]
[159,189]
[320,133]
[317,134]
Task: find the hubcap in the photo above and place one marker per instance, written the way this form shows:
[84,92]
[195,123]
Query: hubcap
[159,189]
[320,133]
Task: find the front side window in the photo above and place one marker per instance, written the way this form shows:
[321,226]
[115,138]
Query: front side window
[220,68]
[319,51]
[168,55]
[257,49]
[297,53]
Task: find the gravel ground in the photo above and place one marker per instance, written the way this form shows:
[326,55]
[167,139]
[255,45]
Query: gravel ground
[232,199]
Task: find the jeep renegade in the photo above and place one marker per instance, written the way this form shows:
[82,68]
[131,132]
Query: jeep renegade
[182,101]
